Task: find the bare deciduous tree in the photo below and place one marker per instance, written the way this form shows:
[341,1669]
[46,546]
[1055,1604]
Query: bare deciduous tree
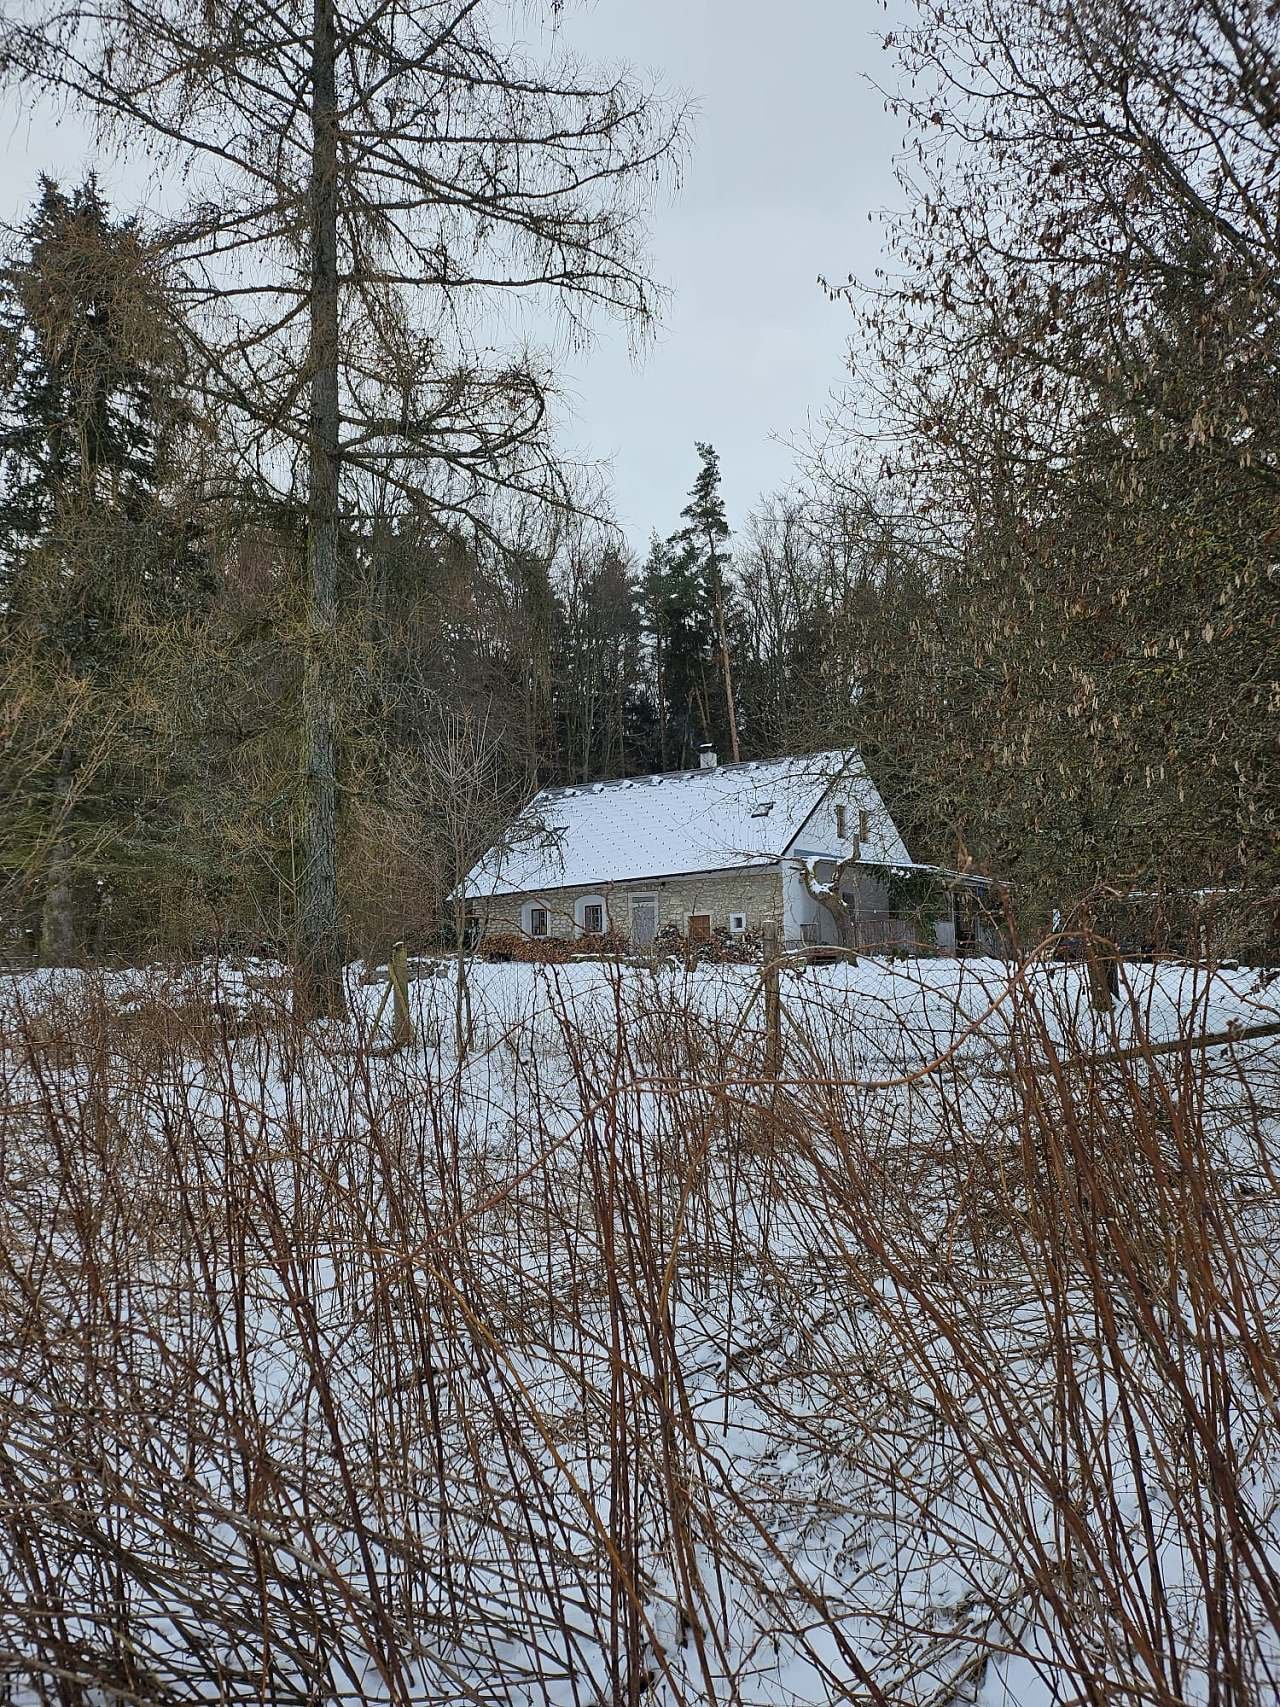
[1063,406]
[363,178]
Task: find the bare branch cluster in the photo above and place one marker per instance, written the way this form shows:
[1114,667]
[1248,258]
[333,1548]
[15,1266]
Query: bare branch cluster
[595,1362]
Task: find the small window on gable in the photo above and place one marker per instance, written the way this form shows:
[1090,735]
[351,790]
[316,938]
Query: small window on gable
[737,924]
[539,921]
[864,824]
[763,810]
[842,822]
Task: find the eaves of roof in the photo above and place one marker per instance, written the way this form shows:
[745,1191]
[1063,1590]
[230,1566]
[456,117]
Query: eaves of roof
[643,877]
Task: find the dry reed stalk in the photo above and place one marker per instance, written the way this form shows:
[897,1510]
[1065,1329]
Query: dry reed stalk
[537,1374]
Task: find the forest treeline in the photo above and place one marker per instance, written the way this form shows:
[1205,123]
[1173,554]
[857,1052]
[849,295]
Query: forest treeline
[154,606]
[1030,569]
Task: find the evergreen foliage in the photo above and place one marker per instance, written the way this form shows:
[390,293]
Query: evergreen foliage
[1036,578]
[97,548]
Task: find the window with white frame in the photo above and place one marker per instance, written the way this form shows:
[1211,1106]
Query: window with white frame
[591,915]
[737,924]
[537,920]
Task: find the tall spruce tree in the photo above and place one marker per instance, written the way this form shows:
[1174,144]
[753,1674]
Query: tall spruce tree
[92,414]
[80,357]
[604,718]
[676,618]
[704,541]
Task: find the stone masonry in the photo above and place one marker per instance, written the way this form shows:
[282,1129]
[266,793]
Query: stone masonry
[756,892]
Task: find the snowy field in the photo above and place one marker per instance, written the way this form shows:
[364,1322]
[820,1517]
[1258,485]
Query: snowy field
[563,1357]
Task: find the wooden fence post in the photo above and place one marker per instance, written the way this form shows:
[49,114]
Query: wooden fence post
[772,1003]
[401,1026]
[1100,966]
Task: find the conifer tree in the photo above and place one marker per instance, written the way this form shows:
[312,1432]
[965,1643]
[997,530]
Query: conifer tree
[704,538]
[676,617]
[93,413]
[378,167]
[78,418]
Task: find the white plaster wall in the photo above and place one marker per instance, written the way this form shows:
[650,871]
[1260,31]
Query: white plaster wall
[870,894]
[862,892]
[798,906]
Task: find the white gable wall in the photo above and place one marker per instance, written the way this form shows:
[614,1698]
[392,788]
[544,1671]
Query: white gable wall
[805,918]
[799,908]
[817,837]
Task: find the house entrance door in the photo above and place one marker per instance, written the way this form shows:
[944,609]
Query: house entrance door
[644,921]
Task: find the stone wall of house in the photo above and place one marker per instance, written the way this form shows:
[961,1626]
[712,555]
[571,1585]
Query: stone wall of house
[757,893]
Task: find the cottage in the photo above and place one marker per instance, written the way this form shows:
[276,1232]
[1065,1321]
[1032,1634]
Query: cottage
[805,844]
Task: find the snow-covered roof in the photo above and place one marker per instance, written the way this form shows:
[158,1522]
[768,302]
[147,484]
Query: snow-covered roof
[730,817]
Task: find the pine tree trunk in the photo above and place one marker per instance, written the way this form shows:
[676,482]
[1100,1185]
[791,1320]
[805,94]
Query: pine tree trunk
[703,707]
[727,673]
[59,944]
[320,980]
[58,934]
[662,705]
[622,719]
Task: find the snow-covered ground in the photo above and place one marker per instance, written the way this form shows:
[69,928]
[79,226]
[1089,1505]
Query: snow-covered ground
[563,1358]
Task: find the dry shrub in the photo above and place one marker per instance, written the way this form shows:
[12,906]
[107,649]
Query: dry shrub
[596,1365]
[553,950]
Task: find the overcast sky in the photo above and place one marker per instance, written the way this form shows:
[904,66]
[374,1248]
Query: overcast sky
[791,152]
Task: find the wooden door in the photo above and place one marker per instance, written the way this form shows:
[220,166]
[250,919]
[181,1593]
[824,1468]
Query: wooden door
[644,922]
[700,927]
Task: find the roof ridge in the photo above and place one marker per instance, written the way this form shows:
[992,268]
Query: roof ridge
[561,788]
